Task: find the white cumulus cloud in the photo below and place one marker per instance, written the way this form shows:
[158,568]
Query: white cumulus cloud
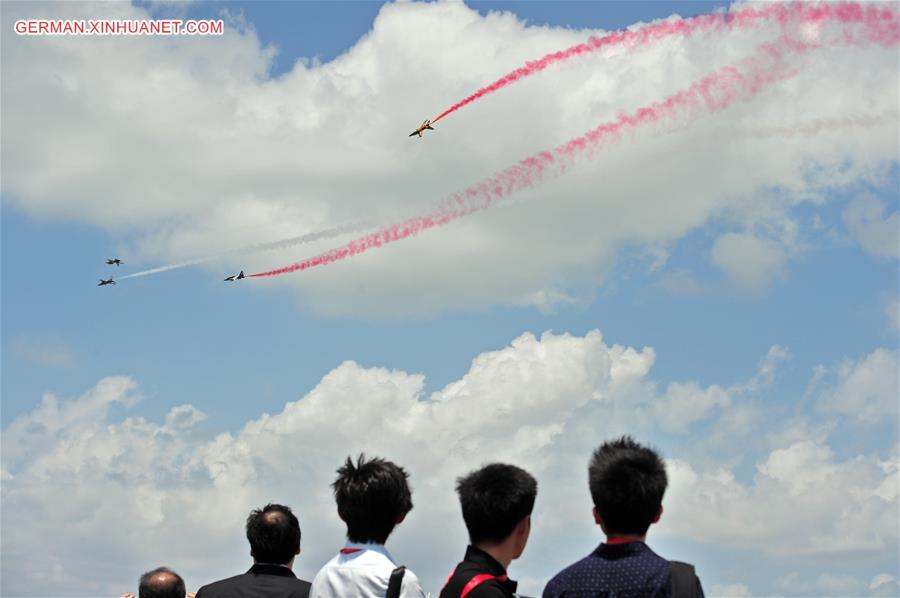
[866,389]
[751,262]
[734,590]
[118,495]
[879,234]
[184,147]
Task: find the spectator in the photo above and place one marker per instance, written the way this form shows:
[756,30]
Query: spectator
[496,501]
[162,582]
[274,536]
[627,483]
[372,498]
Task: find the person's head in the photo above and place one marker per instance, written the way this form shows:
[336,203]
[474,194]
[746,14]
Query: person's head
[274,534]
[161,583]
[496,502]
[372,497]
[627,483]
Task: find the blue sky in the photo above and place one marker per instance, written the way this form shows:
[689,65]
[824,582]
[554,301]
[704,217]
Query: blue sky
[835,284]
[819,282]
[324,30]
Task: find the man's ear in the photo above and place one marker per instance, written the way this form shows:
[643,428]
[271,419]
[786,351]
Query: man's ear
[658,515]
[400,519]
[598,519]
[520,536]
[341,515]
[524,526]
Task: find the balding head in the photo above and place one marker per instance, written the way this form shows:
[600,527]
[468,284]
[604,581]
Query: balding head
[274,534]
[161,583]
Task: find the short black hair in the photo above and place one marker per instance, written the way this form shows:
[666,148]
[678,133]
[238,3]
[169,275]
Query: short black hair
[274,534]
[627,482]
[371,496]
[162,582]
[494,500]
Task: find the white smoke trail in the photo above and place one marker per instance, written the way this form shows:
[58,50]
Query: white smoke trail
[820,125]
[328,233]
[810,128]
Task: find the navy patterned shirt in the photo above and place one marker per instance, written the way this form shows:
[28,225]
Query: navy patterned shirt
[627,570]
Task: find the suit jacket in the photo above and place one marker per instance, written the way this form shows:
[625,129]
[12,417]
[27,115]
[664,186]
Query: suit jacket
[261,581]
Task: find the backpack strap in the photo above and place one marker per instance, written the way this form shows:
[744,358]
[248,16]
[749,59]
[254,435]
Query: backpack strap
[684,580]
[395,584]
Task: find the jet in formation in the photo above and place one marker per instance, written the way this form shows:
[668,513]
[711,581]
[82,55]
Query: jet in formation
[425,125]
[235,277]
[106,281]
[114,260]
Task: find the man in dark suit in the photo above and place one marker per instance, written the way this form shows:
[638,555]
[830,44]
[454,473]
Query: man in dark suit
[274,536]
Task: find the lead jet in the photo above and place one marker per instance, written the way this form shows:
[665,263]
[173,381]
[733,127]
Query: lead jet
[111,261]
[104,282]
[425,125]
[235,277]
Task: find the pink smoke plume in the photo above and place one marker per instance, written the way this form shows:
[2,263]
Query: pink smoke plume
[741,81]
[744,18]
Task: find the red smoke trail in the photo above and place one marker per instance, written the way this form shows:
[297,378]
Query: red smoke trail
[712,94]
[743,18]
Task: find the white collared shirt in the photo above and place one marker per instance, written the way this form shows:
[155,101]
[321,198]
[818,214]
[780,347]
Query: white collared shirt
[362,574]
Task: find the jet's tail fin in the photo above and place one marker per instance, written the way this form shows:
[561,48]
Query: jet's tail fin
[241,275]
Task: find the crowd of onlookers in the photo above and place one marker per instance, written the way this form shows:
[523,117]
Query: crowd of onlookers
[626,481]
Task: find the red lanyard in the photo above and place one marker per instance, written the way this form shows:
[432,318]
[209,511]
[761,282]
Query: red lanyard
[474,582]
[350,550]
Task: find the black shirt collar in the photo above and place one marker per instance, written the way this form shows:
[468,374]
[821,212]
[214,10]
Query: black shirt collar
[485,562]
[268,569]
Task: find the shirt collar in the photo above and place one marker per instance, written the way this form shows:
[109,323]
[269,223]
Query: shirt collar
[271,569]
[615,541]
[625,548]
[379,548]
[486,562]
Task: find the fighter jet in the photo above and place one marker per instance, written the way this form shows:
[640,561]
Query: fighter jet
[425,125]
[235,277]
[112,261]
[104,282]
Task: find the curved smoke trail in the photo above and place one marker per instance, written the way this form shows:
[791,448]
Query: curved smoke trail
[328,233]
[712,94]
[743,18]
